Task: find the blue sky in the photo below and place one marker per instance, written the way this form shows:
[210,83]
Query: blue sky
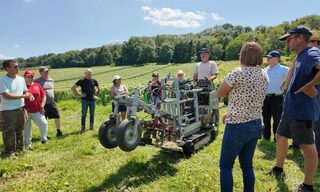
[36,27]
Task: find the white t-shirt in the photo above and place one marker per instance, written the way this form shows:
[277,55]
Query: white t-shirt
[15,86]
[204,70]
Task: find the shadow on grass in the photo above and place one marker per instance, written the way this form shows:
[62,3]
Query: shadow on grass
[135,173]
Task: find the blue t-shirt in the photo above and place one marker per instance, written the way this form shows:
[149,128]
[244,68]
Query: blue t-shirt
[300,106]
[15,86]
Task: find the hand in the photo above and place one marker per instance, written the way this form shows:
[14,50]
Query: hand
[310,91]
[283,87]
[83,95]
[224,118]
[95,97]
[31,98]
[42,111]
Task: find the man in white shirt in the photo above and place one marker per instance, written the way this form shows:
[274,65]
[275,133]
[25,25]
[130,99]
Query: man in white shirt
[205,68]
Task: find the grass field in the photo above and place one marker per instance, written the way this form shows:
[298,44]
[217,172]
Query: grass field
[79,163]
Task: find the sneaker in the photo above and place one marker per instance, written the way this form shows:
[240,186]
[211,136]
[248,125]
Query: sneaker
[91,128]
[44,142]
[59,133]
[10,155]
[277,174]
[28,147]
[302,188]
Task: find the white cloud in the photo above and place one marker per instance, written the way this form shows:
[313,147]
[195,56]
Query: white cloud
[5,57]
[28,1]
[216,16]
[17,46]
[174,17]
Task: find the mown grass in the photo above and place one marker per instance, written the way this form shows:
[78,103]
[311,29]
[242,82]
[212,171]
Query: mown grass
[79,163]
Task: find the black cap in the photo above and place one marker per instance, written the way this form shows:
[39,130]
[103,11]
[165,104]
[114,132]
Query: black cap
[296,30]
[205,50]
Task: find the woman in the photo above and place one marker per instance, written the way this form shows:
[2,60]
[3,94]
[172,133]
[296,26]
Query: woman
[246,87]
[155,89]
[119,90]
[35,109]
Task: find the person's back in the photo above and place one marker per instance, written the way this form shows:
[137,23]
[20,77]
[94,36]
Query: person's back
[246,97]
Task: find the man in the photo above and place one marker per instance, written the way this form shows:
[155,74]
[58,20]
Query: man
[315,42]
[50,108]
[273,103]
[13,91]
[88,97]
[301,106]
[205,68]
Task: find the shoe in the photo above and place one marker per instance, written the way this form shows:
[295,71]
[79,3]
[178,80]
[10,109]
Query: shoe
[302,188]
[28,147]
[10,155]
[59,133]
[43,142]
[277,174]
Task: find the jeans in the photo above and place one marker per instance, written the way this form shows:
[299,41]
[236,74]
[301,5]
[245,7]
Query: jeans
[239,140]
[41,122]
[316,128]
[85,105]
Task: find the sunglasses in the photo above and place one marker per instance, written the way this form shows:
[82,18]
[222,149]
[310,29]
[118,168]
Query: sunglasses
[16,66]
[179,75]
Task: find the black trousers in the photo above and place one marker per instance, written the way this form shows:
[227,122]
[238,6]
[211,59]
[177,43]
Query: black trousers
[272,108]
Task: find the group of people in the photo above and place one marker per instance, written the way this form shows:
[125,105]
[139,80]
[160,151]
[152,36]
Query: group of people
[23,100]
[252,92]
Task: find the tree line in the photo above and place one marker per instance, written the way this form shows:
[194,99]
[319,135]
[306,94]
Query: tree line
[224,41]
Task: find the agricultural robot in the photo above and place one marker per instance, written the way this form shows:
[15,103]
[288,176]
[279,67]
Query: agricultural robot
[188,118]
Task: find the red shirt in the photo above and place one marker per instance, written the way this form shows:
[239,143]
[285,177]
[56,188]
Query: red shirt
[37,91]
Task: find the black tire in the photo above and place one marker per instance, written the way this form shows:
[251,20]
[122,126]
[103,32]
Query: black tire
[128,138]
[108,135]
[188,150]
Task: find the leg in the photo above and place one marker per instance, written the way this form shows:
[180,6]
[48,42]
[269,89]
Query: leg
[84,109]
[245,159]
[310,157]
[21,117]
[316,128]
[27,132]
[8,132]
[92,110]
[42,123]
[229,151]
[282,150]
[276,112]
[266,113]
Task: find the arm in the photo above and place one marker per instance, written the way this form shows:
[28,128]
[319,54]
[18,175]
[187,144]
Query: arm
[76,93]
[309,88]
[195,76]
[112,93]
[43,102]
[10,96]
[213,77]
[223,90]
[287,80]
[125,90]
[98,90]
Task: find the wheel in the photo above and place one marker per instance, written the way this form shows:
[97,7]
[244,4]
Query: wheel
[128,137]
[188,149]
[107,134]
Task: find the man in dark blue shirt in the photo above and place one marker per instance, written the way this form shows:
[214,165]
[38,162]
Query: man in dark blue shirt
[301,106]
[88,97]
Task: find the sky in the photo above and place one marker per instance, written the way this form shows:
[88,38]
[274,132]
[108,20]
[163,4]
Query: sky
[36,27]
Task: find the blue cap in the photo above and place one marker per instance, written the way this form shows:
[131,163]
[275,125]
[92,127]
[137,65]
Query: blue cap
[274,54]
[296,30]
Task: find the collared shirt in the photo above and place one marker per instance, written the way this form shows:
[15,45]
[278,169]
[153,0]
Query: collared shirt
[300,106]
[14,86]
[277,74]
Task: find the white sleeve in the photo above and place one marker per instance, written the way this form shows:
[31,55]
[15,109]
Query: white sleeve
[214,68]
[3,86]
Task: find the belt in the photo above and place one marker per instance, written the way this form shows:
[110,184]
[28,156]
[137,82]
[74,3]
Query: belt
[274,95]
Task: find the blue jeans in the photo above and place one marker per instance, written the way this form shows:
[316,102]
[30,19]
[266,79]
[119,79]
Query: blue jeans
[85,105]
[239,140]
[316,128]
